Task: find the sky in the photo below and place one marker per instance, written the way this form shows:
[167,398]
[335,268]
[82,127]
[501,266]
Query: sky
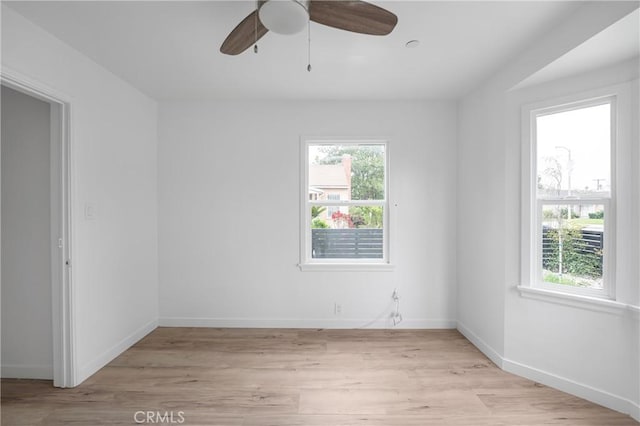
[586,133]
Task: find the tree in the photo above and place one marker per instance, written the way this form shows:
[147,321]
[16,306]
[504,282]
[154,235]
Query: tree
[552,171]
[317,211]
[366,216]
[342,220]
[367,168]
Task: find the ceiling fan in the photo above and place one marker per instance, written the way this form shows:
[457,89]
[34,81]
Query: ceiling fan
[291,16]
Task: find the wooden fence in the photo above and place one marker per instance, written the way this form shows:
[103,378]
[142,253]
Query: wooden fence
[349,243]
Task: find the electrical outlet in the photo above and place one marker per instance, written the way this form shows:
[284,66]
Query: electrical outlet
[337,308]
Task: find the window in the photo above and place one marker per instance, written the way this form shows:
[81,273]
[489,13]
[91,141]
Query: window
[332,210]
[571,190]
[346,226]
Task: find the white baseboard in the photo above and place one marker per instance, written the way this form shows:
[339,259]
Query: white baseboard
[303,323]
[580,390]
[103,359]
[634,411]
[555,381]
[22,371]
[491,353]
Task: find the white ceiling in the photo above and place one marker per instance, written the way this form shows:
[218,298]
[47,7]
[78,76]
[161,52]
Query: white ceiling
[170,49]
[619,42]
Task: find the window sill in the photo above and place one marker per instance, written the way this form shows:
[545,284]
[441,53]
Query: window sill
[346,267]
[579,301]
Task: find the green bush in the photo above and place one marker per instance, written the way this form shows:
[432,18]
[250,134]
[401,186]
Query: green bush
[551,214]
[574,215]
[366,216]
[597,215]
[576,260]
[319,224]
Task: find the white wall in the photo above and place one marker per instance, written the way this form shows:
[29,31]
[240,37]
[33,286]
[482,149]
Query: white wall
[114,164]
[591,354]
[27,347]
[485,172]
[229,178]
[480,245]
[583,347]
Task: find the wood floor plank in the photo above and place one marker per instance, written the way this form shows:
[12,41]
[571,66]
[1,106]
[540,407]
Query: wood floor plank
[390,401]
[309,377]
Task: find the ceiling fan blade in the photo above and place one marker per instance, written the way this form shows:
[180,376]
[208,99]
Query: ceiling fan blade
[244,35]
[353,15]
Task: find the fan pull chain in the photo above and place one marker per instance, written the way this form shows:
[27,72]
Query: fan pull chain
[309,45]
[255,30]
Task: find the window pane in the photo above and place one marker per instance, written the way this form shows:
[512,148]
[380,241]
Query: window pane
[350,232]
[573,244]
[574,153]
[352,172]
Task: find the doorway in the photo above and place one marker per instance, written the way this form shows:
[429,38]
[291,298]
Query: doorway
[35,276]
[27,331]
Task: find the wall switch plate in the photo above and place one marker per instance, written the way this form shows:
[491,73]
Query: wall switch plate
[90,211]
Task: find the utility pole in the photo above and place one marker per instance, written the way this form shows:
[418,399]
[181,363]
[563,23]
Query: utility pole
[598,186]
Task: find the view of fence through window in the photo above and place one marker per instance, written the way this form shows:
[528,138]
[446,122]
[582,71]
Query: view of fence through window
[572,248]
[347,199]
[573,193]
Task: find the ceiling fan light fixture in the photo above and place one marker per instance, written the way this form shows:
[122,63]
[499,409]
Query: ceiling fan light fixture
[285,16]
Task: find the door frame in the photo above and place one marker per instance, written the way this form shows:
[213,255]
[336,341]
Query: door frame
[62,291]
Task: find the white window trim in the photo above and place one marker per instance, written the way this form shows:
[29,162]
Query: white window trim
[530,283]
[307,263]
[596,304]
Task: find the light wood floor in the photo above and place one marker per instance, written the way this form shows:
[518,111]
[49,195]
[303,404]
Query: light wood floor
[303,378]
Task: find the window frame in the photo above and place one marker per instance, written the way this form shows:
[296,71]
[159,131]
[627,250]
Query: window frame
[532,205]
[307,262]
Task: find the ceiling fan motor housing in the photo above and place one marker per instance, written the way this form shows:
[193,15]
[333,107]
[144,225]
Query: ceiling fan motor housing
[284,16]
